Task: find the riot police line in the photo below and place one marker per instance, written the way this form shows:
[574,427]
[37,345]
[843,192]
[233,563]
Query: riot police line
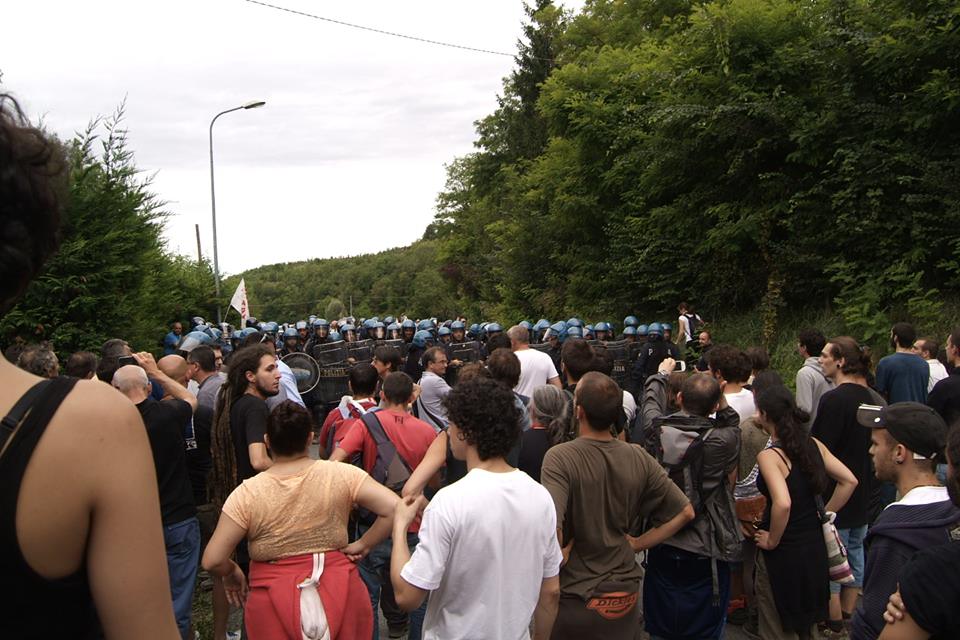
[321,352]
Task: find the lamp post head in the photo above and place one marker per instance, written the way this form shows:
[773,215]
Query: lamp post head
[254,104]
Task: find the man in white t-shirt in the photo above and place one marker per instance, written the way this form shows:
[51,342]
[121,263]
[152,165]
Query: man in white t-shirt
[488,553]
[731,367]
[536,367]
[927,349]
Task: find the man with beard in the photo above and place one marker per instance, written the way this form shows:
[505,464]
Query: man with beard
[238,447]
[903,375]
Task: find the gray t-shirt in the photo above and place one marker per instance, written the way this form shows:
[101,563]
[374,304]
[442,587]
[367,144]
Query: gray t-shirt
[433,389]
[207,396]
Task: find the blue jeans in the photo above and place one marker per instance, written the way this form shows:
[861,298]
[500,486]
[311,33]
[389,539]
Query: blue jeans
[853,540]
[375,570]
[678,600]
[182,541]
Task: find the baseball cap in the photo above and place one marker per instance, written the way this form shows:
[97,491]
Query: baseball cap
[916,426]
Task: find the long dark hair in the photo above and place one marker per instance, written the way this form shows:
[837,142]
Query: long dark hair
[780,407]
[223,474]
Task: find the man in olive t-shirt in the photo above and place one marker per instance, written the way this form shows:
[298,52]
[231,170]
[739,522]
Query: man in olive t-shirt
[602,489]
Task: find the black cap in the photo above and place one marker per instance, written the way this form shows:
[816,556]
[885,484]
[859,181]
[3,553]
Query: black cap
[916,426]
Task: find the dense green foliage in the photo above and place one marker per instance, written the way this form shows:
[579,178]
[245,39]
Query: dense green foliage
[733,153]
[112,276]
[773,159]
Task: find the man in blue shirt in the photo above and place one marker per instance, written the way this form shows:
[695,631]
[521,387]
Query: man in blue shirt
[902,376]
[172,339]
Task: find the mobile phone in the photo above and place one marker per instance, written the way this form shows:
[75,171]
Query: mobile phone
[680,365]
[123,361]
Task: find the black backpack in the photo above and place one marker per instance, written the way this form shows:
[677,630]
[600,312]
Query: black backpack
[389,469]
[694,321]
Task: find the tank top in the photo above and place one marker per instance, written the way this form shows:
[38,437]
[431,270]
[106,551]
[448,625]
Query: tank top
[33,606]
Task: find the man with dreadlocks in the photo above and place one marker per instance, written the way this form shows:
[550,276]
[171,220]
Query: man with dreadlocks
[239,451]
[237,444]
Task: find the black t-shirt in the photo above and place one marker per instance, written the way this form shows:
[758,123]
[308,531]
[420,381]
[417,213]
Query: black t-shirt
[248,425]
[533,446]
[930,588]
[945,398]
[836,427]
[412,366]
[199,460]
[164,421]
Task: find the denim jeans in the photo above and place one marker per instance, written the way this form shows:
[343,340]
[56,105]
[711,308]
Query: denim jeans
[375,570]
[853,540]
[182,541]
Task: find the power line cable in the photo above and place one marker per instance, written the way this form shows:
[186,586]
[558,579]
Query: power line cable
[380,31]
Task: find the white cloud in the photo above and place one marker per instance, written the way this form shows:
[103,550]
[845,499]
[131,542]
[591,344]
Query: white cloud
[346,158]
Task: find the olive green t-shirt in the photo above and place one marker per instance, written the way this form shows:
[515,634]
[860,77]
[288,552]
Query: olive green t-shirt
[601,490]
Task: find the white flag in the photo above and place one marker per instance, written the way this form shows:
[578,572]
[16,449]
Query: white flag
[239,301]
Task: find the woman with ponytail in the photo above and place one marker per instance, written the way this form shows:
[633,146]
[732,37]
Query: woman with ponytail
[792,574]
[549,417]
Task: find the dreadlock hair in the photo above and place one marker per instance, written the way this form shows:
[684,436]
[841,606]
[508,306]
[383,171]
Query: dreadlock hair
[223,475]
[779,406]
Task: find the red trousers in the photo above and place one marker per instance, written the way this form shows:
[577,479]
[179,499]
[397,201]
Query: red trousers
[272,610]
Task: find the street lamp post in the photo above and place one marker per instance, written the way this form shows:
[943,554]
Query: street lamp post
[213,201]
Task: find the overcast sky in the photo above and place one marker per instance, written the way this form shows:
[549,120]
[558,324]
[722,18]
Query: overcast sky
[348,155]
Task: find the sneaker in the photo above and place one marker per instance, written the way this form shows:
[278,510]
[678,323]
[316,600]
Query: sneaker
[233,635]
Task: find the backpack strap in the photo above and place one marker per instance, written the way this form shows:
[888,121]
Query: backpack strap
[379,435]
[420,408]
[359,409]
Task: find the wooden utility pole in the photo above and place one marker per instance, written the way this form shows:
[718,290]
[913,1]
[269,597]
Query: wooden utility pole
[199,253]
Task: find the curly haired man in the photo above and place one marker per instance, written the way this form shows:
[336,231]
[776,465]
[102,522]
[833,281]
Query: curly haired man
[488,551]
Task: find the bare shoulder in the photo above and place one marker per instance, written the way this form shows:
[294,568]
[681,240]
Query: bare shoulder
[770,456]
[97,419]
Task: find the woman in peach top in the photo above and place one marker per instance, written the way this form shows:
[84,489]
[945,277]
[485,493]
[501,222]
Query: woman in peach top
[294,516]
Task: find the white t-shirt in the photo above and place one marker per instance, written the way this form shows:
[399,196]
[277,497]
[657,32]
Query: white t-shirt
[937,373]
[536,369]
[742,403]
[487,542]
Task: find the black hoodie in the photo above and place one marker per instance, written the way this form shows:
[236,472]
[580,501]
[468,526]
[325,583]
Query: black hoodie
[899,532]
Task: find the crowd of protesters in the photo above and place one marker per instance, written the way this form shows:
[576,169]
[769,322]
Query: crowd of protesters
[528,495]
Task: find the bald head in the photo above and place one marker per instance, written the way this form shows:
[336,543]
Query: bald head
[132,381]
[175,367]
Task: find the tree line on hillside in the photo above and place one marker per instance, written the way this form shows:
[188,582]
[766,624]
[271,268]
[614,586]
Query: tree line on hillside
[740,153]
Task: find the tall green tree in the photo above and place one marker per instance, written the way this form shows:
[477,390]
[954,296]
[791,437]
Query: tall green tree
[112,276]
